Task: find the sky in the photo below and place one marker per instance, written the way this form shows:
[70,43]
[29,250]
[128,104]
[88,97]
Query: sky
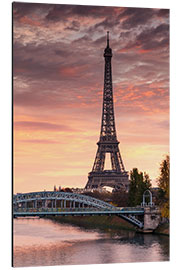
[58,76]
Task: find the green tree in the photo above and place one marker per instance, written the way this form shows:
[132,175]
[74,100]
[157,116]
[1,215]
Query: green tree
[139,182]
[163,184]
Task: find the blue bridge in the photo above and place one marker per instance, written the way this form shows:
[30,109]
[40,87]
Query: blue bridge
[49,203]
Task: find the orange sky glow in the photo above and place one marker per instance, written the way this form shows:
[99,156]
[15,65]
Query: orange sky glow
[58,86]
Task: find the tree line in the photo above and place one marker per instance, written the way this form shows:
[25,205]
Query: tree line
[139,183]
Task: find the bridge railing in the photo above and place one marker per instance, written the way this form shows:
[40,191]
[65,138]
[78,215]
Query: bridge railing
[71,210]
[19,210]
[130,208]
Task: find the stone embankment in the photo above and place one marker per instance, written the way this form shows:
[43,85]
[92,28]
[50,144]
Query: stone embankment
[163,229]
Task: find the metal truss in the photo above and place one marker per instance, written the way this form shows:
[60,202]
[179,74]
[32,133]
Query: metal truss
[62,196]
[87,206]
[108,142]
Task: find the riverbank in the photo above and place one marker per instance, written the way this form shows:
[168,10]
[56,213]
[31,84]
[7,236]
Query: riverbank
[105,223]
[96,222]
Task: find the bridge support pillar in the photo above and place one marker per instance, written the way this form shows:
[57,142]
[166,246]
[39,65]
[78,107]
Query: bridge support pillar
[45,203]
[152,218]
[35,204]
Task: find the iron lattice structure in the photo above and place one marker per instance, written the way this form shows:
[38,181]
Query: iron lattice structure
[55,203]
[45,196]
[108,143]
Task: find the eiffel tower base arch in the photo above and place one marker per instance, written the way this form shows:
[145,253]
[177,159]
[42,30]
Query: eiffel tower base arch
[116,180]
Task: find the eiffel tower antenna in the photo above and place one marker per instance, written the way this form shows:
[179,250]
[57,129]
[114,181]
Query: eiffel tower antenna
[107,39]
[108,143]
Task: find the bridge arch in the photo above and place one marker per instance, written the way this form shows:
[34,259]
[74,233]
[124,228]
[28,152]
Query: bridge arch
[96,207]
[63,197]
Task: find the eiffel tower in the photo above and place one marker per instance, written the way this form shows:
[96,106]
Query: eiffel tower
[116,178]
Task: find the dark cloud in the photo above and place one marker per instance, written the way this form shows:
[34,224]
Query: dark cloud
[59,13]
[32,68]
[22,9]
[125,34]
[110,16]
[163,13]
[151,38]
[90,11]
[64,12]
[154,38]
[155,44]
[68,70]
[62,53]
[38,62]
[136,16]
[159,32]
[108,23]
[55,62]
[75,26]
[82,40]
[101,40]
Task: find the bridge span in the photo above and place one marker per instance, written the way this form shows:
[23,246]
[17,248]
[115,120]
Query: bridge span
[51,203]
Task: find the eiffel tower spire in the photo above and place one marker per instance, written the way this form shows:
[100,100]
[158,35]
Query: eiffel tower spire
[107,39]
[108,131]
[108,143]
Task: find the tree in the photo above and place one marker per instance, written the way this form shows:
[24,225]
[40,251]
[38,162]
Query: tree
[139,182]
[67,189]
[163,184]
[98,195]
[120,198]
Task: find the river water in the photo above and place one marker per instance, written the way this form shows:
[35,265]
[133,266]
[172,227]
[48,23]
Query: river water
[39,242]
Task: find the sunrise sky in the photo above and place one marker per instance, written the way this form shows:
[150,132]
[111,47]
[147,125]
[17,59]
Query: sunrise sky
[58,86]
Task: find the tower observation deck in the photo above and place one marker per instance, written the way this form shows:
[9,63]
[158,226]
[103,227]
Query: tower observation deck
[117,177]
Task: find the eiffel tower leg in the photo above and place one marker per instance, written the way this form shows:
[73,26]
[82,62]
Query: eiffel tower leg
[99,160]
[115,163]
[120,161]
[97,167]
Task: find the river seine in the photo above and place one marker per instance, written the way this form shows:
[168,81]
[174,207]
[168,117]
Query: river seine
[39,242]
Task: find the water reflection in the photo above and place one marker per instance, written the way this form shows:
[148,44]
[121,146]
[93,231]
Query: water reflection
[44,242]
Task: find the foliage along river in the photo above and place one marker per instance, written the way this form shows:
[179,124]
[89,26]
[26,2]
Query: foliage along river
[39,242]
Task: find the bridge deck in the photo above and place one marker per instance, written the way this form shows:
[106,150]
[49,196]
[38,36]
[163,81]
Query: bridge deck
[76,213]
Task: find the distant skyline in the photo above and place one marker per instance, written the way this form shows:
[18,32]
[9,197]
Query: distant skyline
[58,87]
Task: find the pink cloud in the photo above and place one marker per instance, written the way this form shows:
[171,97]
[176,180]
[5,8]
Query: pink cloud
[30,125]
[29,21]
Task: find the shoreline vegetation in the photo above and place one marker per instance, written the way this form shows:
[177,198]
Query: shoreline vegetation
[163,229]
[105,223]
